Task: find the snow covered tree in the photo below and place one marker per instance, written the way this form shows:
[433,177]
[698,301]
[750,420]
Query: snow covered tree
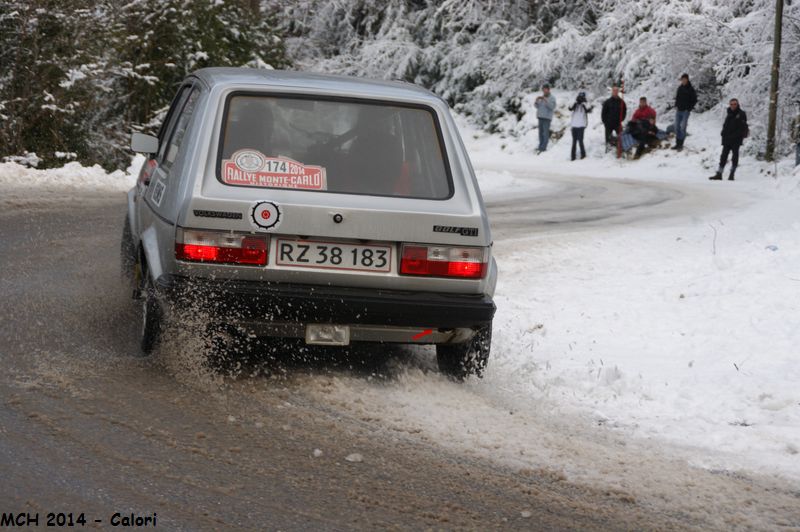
[161,41]
[77,76]
[486,58]
[50,57]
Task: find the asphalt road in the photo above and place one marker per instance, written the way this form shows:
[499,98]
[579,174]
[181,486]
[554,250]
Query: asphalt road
[86,426]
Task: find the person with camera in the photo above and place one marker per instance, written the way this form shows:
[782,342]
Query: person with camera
[545,106]
[579,121]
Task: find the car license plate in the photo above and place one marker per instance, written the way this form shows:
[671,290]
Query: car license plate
[323,334]
[333,255]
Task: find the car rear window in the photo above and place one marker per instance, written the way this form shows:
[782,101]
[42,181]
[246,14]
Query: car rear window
[344,146]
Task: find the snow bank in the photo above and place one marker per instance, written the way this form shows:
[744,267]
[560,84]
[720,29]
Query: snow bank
[685,331]
[71,175]
[22,187]
[698,160]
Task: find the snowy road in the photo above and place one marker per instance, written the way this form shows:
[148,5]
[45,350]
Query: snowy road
[85,426]
[565,203]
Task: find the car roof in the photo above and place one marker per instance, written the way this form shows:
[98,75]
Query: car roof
[232,76]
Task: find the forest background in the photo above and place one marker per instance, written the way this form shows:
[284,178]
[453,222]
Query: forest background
[77,76]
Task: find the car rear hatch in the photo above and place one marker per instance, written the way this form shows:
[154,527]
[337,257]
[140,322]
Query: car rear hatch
[338,192]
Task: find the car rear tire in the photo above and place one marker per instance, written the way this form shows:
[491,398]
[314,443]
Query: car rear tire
[459,361]
[152,316]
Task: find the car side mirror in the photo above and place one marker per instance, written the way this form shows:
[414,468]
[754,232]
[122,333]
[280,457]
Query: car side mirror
[141,143]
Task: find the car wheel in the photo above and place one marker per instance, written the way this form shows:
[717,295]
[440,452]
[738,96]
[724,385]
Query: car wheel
[127,252]
[151,316]
[469,358]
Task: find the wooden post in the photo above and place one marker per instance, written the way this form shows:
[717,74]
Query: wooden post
[773,85]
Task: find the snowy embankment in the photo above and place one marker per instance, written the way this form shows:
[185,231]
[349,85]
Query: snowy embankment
[685,330]
[22,187]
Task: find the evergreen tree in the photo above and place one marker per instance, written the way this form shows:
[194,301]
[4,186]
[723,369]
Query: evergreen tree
[50,57]
[76,79]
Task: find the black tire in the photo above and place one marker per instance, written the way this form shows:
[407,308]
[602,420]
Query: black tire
[127,253]
[152,316]
[469,358]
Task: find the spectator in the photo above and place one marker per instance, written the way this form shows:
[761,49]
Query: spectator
[545,105]
[644,131]
[734,131]
[795,135]
[685,100]
[580,119]
[644,111]
[613,114]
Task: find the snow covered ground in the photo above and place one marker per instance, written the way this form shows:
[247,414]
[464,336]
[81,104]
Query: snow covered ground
[683,331]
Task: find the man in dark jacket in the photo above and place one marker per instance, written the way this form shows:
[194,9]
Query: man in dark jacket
[685,100]
[613,113]
[734,131]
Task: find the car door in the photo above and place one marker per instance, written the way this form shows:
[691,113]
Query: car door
[157,205]
[151,184]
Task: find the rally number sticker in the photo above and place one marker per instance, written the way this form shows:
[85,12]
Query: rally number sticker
[265,216]
[158,193]
[253,168]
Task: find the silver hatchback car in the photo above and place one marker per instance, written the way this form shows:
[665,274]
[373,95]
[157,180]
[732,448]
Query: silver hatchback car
[326,208]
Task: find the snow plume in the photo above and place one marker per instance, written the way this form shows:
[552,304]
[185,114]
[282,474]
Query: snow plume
[485,57]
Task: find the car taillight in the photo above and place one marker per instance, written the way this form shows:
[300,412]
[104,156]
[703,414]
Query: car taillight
[220,247]
[147,171]
[444,261]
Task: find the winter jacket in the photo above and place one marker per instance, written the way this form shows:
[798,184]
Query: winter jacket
[580,114]
[614,112]
[686,97]
[545,107]
[735,129]
[644,114]
[642,130]
[794,130]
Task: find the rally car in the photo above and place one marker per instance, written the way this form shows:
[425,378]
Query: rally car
[325,208]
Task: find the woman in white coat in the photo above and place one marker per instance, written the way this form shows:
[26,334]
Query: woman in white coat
[580,119]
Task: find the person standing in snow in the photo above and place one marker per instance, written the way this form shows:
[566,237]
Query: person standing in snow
[644,111]
[545,105]
[734,131]
[613,114]
[580,119]
[794,134]
[685,100]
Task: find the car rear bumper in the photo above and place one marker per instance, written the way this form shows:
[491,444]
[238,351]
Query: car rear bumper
[253,301]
